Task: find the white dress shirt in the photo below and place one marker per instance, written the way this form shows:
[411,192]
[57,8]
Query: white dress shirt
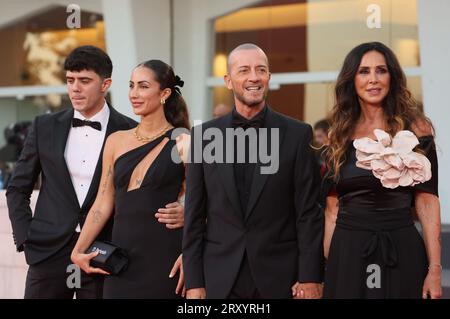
[82,152]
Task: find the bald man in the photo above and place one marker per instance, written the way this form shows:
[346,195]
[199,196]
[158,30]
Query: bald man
[250,232]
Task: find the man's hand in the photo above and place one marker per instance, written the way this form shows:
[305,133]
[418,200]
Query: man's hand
[307,290]
[172,215]
[196,293]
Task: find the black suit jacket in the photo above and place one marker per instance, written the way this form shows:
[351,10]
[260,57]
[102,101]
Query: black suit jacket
[57,211]
[281,230]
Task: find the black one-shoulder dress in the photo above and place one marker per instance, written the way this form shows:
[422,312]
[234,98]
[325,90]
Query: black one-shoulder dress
[151,246]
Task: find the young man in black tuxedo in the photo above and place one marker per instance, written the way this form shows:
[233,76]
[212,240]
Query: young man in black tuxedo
[66,148]
[249,232]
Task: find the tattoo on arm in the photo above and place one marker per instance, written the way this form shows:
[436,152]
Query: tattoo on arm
[105,184]
[97,216]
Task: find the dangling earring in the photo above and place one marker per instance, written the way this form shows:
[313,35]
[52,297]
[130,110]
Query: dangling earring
[163,101]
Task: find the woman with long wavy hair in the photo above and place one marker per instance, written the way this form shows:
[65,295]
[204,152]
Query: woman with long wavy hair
[382,164]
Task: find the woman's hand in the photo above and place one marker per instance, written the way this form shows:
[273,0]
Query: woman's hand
[83,261]
[178,265]
[432,286]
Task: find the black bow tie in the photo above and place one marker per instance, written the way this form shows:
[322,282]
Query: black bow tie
[78,122]
[239,121]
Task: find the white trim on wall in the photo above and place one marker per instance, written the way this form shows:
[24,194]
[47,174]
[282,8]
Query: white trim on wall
[35,90]
[304,77]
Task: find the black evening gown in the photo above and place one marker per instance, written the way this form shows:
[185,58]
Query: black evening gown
[152,248]
[375,227]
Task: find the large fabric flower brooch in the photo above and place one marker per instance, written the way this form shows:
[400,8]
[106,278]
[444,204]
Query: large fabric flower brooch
[392,160]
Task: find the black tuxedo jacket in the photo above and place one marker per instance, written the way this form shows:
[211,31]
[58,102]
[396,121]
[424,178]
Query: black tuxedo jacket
[57,211]
[281,230]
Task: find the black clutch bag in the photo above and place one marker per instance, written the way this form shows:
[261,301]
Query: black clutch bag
[110,258]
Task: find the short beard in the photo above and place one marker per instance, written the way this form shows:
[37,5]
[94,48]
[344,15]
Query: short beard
[253,103]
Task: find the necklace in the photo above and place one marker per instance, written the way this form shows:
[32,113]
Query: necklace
[146,139]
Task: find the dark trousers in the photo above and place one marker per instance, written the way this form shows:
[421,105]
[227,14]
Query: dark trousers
[50,279]
[244,287]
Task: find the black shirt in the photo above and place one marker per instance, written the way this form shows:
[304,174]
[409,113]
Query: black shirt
[243,172]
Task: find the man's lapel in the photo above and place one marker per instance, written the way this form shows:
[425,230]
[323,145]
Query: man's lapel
[62,128]
[226,170]
[271,121]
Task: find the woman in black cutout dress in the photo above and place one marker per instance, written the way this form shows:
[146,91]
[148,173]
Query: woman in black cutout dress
[151,247]
[137,180]
[372,247]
